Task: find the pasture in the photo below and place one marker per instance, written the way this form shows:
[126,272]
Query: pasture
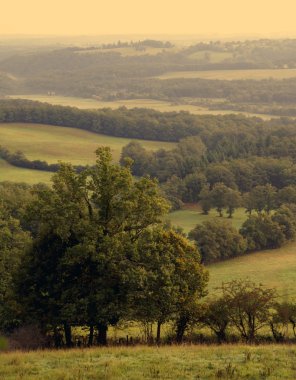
[275,268]
[257,74]
[191,215]
[139,363]
[14,174]
[51,143]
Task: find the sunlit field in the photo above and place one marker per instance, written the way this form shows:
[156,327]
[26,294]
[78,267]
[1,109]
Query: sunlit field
[51,143]
[232,74]
[139,363]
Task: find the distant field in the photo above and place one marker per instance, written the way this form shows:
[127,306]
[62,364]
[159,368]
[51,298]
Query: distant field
[191,215]
[142,363]
[51,143]
[273,268]
[232,74]
[158,105]
[14,174]
[129,51]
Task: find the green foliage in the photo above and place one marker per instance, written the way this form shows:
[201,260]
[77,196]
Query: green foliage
[217,240]
[262,232]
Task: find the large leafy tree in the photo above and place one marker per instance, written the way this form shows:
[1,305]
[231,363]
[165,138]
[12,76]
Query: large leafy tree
[89,224]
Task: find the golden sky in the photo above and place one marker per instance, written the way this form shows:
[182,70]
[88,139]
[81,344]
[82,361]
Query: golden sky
[198,17]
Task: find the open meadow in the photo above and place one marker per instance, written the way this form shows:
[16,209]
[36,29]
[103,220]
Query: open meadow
[139,363]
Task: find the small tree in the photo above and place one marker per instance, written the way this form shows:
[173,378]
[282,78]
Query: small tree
[215,315]
[249,306]
[205,199]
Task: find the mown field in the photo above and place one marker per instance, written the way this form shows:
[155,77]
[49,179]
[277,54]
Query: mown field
[232,74]
[158,105]
[191,215]
[138,363]
[51,143]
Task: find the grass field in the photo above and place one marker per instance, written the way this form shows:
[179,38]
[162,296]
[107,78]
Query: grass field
[14,174]
[273,268]
[50,143]
[232,74]
[158,105]
[191,215]
[138,363]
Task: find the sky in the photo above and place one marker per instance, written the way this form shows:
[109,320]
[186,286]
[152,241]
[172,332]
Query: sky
[114,17]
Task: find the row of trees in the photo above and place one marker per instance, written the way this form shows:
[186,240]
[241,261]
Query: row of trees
[20,160]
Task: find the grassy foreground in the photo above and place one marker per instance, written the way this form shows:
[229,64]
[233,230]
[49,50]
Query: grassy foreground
[185,362]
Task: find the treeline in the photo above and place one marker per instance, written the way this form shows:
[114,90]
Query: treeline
[136,123]
[18,159]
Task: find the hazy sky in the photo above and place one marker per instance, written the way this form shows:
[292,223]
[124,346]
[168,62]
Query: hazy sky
[199,17]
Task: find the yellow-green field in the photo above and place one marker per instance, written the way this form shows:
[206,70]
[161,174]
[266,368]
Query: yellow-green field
[138,363]
[232,74]
[273,268]
[191,215]
[51,143]
[14,174]
[158,105]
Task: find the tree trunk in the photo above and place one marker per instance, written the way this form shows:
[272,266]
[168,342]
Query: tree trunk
[221,336]
[181,327]
[91,336]
[102,334]
[158,332]
[68,335]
